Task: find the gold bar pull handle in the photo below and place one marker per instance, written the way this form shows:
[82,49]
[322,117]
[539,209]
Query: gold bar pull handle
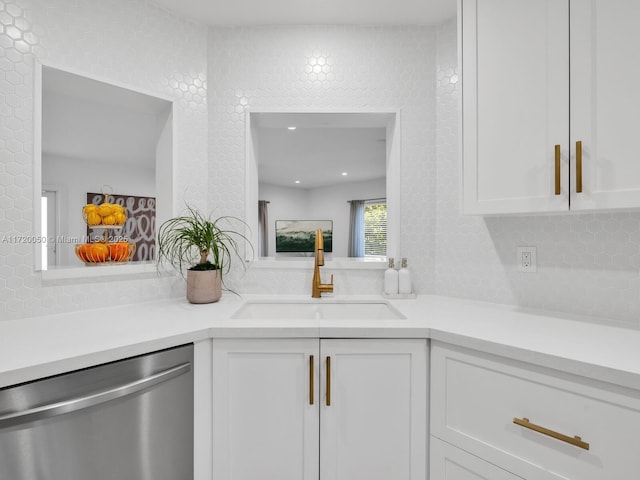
[328,393]
[557,169]
[579,166]
[576,441]
[311,380]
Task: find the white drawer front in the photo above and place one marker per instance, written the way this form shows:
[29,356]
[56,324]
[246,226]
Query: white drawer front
[475,398]
[450,463]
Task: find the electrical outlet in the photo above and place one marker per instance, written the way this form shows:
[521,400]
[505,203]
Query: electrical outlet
[526,259]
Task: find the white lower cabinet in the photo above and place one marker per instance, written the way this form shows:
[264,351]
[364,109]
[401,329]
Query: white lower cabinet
[264,425]
[330,409]
[537,423]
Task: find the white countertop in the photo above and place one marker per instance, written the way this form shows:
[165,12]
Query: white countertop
[42,346]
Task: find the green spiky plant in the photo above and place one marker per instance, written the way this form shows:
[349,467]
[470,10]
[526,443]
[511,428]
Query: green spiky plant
[196,242]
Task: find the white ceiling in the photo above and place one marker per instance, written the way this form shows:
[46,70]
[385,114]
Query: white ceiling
[94,91]
[319,157]
[313,12]
[92,121]
[323,146]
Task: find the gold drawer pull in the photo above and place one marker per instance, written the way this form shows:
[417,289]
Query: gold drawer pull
[328,379]
[557,169]
[311,376]
[577,441]
[579,167]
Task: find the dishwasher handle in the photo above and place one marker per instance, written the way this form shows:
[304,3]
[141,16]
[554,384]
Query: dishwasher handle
[96,398]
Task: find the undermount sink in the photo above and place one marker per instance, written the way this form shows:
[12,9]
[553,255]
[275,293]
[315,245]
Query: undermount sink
[325,309]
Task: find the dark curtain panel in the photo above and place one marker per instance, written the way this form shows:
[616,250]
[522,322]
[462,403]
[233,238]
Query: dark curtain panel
[263,228]
[356,229]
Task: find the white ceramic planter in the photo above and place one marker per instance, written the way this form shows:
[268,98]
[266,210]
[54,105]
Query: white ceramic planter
[204,286]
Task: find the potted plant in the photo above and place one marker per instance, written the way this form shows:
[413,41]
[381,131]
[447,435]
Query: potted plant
[205,246]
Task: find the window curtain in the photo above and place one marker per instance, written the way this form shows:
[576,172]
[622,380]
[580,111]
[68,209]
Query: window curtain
[263,228]
[356,229]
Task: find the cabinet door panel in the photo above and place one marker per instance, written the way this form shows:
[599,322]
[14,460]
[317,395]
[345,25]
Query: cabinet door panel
[263,423]
[376,425]
[605,101]
[515,105]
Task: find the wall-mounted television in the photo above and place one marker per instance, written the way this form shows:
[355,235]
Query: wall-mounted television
[298,236]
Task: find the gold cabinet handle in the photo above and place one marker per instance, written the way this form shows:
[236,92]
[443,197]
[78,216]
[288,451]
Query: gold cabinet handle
[579,166]
[576,441]
[557,168]
[311,379]
[328,376]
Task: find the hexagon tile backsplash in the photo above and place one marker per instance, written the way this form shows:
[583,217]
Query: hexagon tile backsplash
[131,43]
[323,68]
[415,70]
[588,264]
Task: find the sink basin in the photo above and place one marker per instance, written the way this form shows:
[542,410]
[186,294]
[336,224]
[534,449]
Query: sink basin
[325,309]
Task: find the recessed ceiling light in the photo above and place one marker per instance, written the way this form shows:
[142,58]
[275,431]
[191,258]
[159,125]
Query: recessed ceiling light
[344,174]
[297,181]
[292,127]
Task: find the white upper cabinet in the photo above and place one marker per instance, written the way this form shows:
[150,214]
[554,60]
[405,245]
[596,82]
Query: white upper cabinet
[525,110]
[605,101]
[515,94]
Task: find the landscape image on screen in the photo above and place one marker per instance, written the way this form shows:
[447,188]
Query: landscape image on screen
[299,235]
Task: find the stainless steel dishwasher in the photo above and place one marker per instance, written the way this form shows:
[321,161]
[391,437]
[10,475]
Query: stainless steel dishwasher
[127,420]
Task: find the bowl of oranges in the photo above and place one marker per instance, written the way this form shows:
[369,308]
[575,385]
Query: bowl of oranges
[105,252]
[105,215]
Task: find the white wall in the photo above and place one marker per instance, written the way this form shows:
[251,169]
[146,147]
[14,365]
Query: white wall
[333,200]
[375,68]
[324,203]
[284,204]
[73,178]
[127,42]
[98,137]
[587,264]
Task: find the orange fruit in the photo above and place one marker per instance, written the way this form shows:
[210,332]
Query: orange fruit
[82,251]
[105,210]
[93,218]
[109,220]
[117,208]
[88,208]
[98,252]
[119,251]
[120,218]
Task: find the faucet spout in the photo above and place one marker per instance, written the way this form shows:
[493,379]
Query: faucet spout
[318,287]
[319,249]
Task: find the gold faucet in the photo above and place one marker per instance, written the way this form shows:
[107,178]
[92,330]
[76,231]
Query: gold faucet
[318,287]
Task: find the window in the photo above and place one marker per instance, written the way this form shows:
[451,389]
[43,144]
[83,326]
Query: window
[375,228]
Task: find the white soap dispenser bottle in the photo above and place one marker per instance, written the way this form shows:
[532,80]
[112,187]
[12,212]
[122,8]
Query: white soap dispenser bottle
[391,279]
[404,278]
